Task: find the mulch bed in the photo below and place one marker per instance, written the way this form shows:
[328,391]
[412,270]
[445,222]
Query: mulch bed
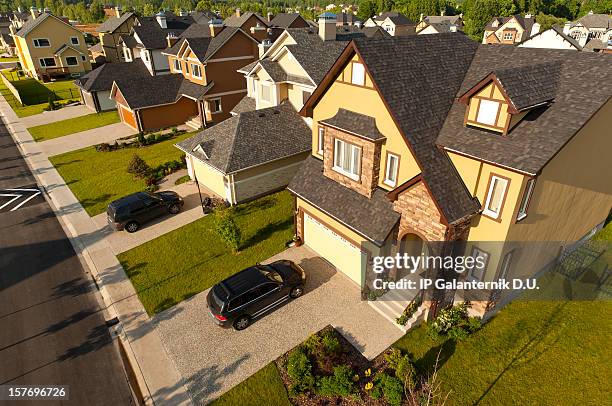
[349,355]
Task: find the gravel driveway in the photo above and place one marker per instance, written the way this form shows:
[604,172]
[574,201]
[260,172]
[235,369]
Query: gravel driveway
[212,360]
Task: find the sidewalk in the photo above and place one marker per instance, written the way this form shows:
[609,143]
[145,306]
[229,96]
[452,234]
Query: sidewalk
[47,117]
[161,379]
[87,138]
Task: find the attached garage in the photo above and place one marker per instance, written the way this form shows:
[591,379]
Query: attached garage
[343,254]
[127,116]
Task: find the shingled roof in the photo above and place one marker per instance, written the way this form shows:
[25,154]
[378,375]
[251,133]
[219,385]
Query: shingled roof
[235,21]
[284,20]
[102,77]
[584,85]
[355,123]
[349,207]
[395,17]
[250,139]
[112,23]
[153,36]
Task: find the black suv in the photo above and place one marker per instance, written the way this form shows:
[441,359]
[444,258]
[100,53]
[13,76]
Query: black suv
[129,212]
[253,291]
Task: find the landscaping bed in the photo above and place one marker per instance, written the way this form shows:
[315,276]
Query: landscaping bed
[73,125]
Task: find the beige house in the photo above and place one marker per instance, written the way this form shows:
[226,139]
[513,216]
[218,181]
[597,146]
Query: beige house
[396,24]
[48,47]
[111,32]
[510,30]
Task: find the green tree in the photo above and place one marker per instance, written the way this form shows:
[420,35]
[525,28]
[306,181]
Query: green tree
[367,8]
[149,9]
[478,13]
[546,21]
[204,5]
[227,229]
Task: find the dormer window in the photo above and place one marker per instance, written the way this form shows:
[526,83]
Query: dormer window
[177,65]
[488,111]
[358,74]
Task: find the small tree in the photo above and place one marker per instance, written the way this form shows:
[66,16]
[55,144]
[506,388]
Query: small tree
[227,229]
[51,103]
[138,167]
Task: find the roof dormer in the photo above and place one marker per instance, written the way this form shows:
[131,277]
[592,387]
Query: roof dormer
[500,100]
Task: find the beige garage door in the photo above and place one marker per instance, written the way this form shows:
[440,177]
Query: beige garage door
[345,256]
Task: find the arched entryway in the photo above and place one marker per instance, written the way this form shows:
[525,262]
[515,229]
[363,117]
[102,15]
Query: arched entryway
[414,246]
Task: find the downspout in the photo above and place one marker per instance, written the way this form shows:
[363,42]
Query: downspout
[233,189]
[139,121]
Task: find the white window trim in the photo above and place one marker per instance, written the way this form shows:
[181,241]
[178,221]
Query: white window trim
[339,169]
[193,71]
[477,252]
[41,46]
[486,209]
[83,58]
[41,62]
[387,180]
[261,93]
[180,66]
[524,204]
[77,41]
[212,104]
[77,61]
[489,102]
[505,265]
[321,140]
[362,79]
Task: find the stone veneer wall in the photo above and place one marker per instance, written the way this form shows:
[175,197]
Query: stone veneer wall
[419,214]
[370,161]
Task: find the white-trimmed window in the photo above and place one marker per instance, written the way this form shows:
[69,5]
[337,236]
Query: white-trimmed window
[477,272]
[508,36]
[177,65]
[83,58]
[72,61]
[495,196]
[305,96]
[391,170]
[358,74]
[74,40]
[505,266]
[215,105]
[321,140]
[347,159]
[41,42]
[47,62]
[487,112]
[522,212]
[265,93]
[196,71]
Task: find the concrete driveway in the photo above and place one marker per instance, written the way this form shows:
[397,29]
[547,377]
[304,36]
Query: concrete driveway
[212,360]
[87,138]
[47,117]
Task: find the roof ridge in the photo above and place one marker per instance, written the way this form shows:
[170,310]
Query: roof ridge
[233,143]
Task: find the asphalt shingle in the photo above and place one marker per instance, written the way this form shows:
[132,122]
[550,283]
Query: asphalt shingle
[355,123]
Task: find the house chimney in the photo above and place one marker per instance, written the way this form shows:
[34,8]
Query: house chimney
[421,17]
[263,47]
[566,27]
[259,32]
[535,28]
[327,26]
[443,12]
[34,12]
[215,25]
[270,17]
[161,19]
[238,12]
[171,39]
[118,11]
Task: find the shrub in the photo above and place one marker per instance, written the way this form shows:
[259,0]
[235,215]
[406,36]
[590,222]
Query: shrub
[141,139]
[391,387]
[339,384]
[299,370]
[104,147]
[330,342]
[401,364]
[313,344]
[151,188]
[227,229]
[51,104]
[138,167]
[151,139]
[408,312]
[454,323]
[174,130]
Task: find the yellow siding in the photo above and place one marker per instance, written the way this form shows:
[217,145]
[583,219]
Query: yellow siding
[209,177]
[469,170]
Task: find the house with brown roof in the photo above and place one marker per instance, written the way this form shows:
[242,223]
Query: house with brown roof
[592,31]
[439,24]
[510,30]
[203,84]
[453,148]
[396,24]
[252,23]
[112,30]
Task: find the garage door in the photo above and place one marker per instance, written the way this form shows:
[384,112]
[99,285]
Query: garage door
[345,256]
[127,117]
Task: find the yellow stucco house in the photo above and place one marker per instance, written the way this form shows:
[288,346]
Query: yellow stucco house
[453,145]
[48,47]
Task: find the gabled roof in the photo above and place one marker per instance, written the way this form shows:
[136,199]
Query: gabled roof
[102,77]
[245,104]
[152,36]
[525,23]
[284,20]
[395,17]
[250,139]
[65,47]
[443,19]
[203,16]
[205,47]
[35,22]
[235,21]
[584,86]
[193,31]
[112,23]
[558,31]
[596,21]
[355,123]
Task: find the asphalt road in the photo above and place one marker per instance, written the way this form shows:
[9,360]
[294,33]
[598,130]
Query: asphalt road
[52,331]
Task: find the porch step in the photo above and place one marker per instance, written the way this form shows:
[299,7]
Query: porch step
[194,123]
[391,309]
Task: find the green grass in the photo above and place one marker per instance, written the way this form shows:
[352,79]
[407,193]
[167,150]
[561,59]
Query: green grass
[186,261]
[9,59]
[182,179]
[33,91]
[73,125]
[263,388]
[97,178]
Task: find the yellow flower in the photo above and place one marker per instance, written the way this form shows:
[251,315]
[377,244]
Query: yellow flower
[368,372]
[369,386]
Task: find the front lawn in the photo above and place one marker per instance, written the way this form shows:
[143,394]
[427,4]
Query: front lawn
[97,178]
[9,59]
[33,91]
[191,259]
[265,387]
[73,125]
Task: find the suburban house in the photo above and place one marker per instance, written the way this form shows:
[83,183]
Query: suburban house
[203,84]
[345,18]
[48,46]
[111,32]
[510,30]
[394,23]
[439,24]
[18,18]
[6,39]
[552,38]
[593,31]
[287,20]
[265,122]
[251,23]
[452,141]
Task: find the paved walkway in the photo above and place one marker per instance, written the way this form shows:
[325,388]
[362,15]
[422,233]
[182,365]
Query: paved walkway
[83,139]
[154,370]
[47,117]
[212,360]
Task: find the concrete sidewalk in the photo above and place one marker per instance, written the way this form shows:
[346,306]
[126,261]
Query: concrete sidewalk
[87,138]
[159,380]
[47,117]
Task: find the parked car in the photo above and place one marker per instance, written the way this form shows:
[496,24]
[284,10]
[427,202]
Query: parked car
[250,293]
[130,212]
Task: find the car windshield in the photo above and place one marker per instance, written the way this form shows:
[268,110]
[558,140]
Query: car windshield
[270,273]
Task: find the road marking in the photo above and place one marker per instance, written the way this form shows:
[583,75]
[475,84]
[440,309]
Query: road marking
[28,194]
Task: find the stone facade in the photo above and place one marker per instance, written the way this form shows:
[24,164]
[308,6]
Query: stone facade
[370,161]
[419,214]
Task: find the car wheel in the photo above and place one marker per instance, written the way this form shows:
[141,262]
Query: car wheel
[296,292]
[131,227]
[173,209]
[242,322]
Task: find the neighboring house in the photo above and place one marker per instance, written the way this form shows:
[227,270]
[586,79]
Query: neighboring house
[394,23]
[553,38]
[96,54]
[6,39]
[111,32]
[149,38]
[591,27]
[19,17]
[419,142]
[251,23]
[510,30]
[345,18]
[48,46]
[95,86]
[287,20]
[265,122]
[439,24]
[202,87]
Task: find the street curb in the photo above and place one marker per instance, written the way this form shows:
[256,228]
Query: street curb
[135,327]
